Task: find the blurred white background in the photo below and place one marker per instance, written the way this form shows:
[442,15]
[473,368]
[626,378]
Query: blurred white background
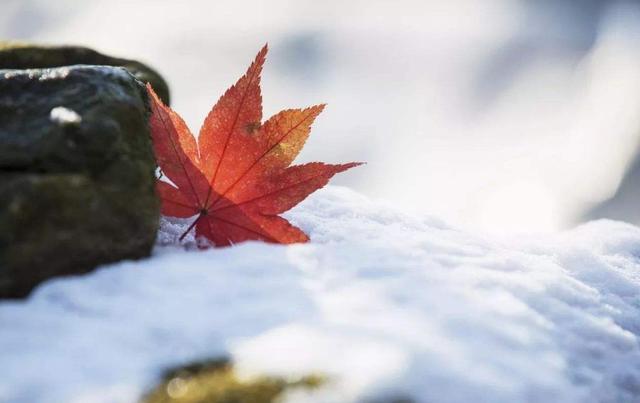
[504,116]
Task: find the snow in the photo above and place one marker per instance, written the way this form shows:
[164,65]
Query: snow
[64,116]
[382,302]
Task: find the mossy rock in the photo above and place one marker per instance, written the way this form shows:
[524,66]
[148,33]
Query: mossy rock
[77,173]
[19,55]
[216,382]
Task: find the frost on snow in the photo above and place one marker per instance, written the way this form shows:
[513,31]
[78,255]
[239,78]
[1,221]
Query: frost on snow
[383,303]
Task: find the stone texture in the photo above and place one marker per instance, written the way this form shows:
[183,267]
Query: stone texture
[76,173]
[15,55]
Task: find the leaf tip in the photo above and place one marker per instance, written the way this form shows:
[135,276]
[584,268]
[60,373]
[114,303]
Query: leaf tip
[350,165]
[153,94]
[262,55]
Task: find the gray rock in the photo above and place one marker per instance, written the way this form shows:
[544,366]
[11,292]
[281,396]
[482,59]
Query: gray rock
[15,55]
[76,173]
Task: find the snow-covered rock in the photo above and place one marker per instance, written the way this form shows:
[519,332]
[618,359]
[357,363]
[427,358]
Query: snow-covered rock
[384,303]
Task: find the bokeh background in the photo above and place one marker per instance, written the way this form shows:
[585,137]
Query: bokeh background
[504,116]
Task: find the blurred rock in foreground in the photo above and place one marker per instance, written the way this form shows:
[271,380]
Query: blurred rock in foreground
[215,381]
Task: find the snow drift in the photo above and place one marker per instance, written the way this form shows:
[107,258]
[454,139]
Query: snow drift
[384,303]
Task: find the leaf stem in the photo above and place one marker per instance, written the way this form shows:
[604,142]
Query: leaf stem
[193,224]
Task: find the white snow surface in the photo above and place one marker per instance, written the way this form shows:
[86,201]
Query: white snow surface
[383,303]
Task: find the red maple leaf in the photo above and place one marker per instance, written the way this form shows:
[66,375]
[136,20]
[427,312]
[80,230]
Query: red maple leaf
[238,176]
